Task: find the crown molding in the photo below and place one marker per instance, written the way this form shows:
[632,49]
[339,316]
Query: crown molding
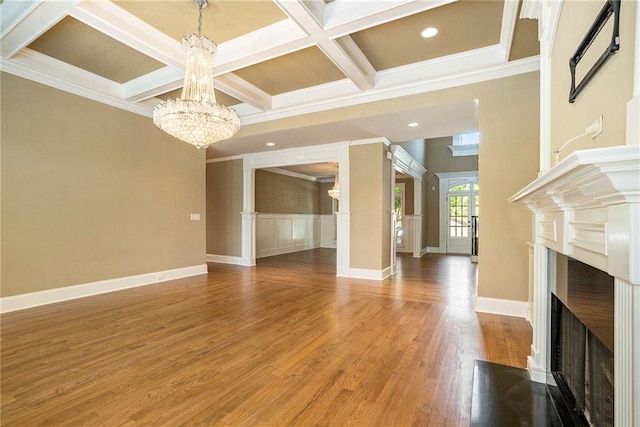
[344,94]
[26,64]
[292,174]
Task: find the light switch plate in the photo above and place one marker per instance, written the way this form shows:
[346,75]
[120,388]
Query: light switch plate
[195,217]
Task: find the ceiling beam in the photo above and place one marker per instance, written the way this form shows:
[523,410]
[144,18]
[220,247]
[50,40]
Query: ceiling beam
[152,84]
[23,22]
[508,27]
[120,25]
[344,17]
[346,56]
[241,89]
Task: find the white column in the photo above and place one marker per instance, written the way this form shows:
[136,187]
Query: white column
[343,218]
[417,213]
[627,353]
[392,204]
[248,213]
[627,293]
[542,269]
[547,26]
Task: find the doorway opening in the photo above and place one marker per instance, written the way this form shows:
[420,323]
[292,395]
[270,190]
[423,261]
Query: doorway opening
[459,210]
[463,207]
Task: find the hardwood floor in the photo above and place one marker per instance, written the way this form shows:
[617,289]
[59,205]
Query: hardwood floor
[284,343]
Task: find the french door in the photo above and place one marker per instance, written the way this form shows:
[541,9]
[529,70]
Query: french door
[463,203]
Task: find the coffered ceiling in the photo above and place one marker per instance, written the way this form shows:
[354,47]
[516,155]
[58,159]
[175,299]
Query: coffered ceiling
[276,58]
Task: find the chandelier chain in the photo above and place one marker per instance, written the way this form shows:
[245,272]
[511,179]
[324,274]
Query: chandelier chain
[200,20]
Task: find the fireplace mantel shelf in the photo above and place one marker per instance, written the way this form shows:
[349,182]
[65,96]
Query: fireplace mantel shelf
[586,179]
[588,207]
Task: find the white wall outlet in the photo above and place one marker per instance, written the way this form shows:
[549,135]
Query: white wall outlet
[195,217]
[595,128]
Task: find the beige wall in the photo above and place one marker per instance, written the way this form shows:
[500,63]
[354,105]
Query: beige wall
[91,192]
[508,160]
[277,193]
[370,204]
[606,94]
[224,207]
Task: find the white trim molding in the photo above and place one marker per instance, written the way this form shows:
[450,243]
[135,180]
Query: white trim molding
[227,259]
[50,296]
[403,162]
[337,151]
[368,274]
[504,307]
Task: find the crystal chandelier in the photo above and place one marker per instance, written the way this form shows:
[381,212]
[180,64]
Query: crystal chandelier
[335,190]
[195,117]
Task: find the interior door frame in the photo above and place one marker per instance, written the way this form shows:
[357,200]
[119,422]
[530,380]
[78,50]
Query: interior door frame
[448,180]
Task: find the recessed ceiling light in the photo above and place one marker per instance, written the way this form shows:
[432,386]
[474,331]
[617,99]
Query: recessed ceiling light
[413,124]
[429,32]
[271,144]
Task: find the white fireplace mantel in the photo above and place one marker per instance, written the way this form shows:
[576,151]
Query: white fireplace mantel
[588,207]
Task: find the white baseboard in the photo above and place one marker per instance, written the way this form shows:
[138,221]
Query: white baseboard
[363,273]
[50,296]
[226,259]
[536,373]
[432,250]
[504,307]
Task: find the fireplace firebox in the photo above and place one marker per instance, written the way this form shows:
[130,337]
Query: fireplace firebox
[581,342]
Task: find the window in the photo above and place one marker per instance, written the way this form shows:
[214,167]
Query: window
[465,144]
[467,139]
[459,215]
[398,212]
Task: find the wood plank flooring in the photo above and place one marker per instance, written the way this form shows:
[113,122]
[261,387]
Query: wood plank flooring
[284,343]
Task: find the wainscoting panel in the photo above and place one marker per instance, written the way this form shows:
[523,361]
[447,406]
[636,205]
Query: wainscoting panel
[407,234]
[327,231]
[284,233]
